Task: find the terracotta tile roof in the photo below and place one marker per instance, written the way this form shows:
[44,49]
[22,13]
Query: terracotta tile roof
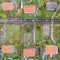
[52,49]
[29,9]
[29,52]
[7,49]
[7,5]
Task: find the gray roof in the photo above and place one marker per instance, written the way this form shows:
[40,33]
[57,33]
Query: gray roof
[51,5]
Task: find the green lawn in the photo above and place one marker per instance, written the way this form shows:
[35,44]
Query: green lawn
[27,16]
[0,1]
[12,32]
[56,34]
[57,16]
[46,13]
[39,32]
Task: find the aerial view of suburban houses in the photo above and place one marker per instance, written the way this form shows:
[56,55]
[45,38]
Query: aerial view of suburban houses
[29,29]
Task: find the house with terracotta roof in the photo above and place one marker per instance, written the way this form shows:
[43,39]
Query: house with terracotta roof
[51,5]
[8,49]
[29,9]
[51,50]
[28,53]
[7,6]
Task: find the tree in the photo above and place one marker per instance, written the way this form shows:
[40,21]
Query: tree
[4,16]
[18,14]
[39,14]
[59,50]
[5,58]
[58,44]
[12,13]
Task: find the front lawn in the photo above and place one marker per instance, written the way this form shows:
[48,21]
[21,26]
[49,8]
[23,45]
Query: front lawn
[57,16]
[46,13]
[27,16]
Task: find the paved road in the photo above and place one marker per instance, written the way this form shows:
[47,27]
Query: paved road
[5,31]
[44,56]
[55,12]
[52,34]
[34,31]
